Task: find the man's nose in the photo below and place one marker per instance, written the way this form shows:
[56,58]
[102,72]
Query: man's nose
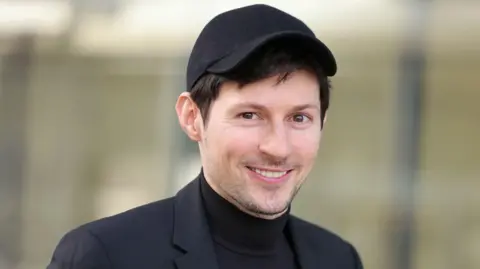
[276,142]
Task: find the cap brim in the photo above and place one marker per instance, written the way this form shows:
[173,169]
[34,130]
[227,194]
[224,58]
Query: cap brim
[323,54]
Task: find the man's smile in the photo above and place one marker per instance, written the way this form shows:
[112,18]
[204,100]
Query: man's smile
[269,175]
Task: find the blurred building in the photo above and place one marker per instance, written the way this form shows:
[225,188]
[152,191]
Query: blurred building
[88,129]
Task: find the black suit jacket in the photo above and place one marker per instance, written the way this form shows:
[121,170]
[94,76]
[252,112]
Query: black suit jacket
[173,233]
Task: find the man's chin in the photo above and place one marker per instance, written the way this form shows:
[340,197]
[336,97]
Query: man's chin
[268,210]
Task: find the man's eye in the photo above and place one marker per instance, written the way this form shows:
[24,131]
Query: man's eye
[248,115]
[300,118]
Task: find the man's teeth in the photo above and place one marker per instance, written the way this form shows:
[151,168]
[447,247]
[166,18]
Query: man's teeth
[270,174]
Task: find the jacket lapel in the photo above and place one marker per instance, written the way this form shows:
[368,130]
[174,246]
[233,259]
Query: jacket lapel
[306,251]
[191,232]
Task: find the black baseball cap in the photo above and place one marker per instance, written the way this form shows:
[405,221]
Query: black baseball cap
[230,37]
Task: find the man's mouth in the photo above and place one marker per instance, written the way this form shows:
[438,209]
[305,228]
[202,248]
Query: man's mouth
[269,173]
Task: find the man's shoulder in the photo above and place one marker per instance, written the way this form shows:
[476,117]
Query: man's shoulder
[155,215]
[132,225]
[133,235]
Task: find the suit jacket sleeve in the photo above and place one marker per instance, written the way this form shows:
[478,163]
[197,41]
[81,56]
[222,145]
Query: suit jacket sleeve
[80,249]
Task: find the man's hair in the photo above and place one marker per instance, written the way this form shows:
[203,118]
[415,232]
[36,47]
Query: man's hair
[280,59]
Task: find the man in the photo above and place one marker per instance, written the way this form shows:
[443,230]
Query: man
[258,92]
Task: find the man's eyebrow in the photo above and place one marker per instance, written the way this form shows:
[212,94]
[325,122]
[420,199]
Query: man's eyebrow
[250,105]
[262,107]
[306,106]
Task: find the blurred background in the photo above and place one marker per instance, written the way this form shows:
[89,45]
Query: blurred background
[88,128]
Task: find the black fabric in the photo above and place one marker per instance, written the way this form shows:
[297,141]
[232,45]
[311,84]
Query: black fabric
[174,234]
[243,241]
[230,37]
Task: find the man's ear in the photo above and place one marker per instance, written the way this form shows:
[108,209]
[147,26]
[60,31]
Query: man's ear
[189,116]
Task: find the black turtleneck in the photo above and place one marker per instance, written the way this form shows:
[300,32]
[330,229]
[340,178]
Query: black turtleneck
[244,241]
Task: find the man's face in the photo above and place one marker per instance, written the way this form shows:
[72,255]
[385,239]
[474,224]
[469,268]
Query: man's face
[261,141]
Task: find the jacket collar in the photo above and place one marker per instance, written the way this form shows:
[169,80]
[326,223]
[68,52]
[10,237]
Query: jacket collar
[191,232]
[192,235]
[304,246]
